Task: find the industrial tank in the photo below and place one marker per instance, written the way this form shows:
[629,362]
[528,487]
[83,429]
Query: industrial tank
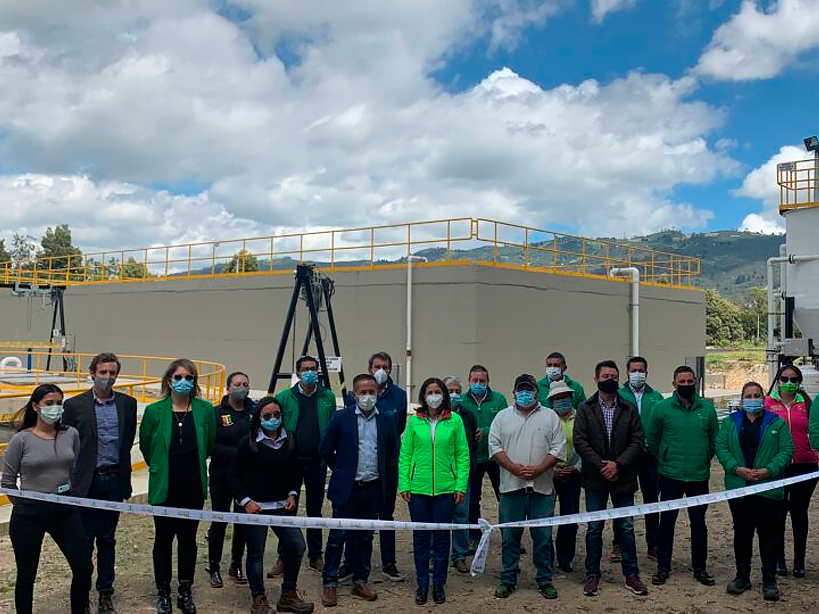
[802,227]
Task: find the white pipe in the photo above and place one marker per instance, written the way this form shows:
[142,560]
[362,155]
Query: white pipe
[634,306]
[410,260]
[783,287]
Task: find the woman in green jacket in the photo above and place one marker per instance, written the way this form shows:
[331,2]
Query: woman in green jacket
[433,469]
[754,446]
[176,436]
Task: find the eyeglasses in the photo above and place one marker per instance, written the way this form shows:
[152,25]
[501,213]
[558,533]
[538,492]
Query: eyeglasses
[178,377]
[784,379]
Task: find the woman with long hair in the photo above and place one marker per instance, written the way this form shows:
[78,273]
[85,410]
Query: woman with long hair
[264,477]
[175,437]
[754,446]
[788,400]
[433,469]
[41,455]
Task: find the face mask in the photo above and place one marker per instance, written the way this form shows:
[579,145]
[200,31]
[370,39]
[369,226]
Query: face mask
[104,384]
[366,402]
[182,386]
[271,424]
[455,397]
[554,373]
[478,389]
[789,388]
[239,394]
[637,379]
[309,378]
[686,391]
[434,401]
[562,406]
[381,377]
[753,406]
[50,414]
[608,386]
[525,398]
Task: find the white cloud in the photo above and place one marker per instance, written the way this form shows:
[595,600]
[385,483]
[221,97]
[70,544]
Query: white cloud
[759,43]
[760,184]
[757,223]
[355,132]
[601,8]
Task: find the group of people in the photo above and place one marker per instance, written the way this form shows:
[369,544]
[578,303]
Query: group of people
[546,447]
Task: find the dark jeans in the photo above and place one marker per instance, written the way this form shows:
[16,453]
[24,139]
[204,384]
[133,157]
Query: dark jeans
[186,496]
[423,508]
[314,478]
[623,532]
[30,521]
[101,528]
[492,469]
[675,489]
[568,495]
[750,514]
[797,501]
[363,504]
[291,550]
[221,498]
[521,505]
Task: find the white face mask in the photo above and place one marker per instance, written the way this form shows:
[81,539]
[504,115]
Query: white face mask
[637,379]
[51,414]
[381,377]
[554,373]
[434,401]
[366,402]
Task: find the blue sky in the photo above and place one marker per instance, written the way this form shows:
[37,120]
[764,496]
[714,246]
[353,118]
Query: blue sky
[208,119]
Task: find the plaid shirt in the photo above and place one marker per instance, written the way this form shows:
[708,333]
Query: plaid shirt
[608,415]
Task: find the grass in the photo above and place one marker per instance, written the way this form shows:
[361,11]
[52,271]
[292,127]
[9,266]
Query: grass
[724,361]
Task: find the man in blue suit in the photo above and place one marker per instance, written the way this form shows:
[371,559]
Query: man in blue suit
[360,446]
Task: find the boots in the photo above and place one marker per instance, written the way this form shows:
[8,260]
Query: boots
[742,582]
[163,599]
[291,601]
[260,605]
[215,576]
[770,591]
[185,600]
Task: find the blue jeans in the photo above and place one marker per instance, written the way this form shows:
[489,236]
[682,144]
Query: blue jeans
[363,504]
[568,495]
[623,532]
[423,508]
[101,528]
[460,539]
[522,505]
[291,549]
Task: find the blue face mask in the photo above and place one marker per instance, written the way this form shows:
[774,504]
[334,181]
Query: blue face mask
[525,398]
[271,424]
[562,406]
[753,406]
[478,389]
[309,378]
[182,386]
[454,398]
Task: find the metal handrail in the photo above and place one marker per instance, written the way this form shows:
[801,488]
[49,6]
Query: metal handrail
[798,184]
[456,241]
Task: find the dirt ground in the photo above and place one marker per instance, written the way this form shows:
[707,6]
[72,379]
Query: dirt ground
[136,594]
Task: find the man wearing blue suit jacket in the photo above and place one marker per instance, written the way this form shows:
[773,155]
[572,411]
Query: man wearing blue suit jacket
[360,446]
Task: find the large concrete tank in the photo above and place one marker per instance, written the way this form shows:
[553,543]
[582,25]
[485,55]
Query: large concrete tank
[802,227]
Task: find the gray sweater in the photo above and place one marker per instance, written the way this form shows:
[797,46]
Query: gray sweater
[39,466]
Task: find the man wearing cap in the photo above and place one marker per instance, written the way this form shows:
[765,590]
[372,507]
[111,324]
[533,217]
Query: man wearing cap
[527,441]
[567,477]
[608,436]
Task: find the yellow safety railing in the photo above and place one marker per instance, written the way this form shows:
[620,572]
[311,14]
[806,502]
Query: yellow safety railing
[798,184]
[457,241]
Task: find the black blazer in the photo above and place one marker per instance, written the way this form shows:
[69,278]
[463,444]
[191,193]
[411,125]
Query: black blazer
[339,449]
[79,413]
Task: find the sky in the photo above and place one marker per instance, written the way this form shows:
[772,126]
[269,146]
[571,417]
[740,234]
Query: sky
[148,122]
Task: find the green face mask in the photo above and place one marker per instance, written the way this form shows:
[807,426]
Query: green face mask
[789,388]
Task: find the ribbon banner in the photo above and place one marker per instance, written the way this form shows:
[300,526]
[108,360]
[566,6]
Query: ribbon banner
[486,528]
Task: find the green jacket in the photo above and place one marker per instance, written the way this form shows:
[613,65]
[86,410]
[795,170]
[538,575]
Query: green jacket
[774,452]
[438,466]
[683,440]
[578,394]
[650,399]
[813,425]
[155,442]
[289,400]
[484,413]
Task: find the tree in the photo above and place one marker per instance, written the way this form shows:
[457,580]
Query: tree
[131,269]
[243,262]
[5,256]
[723,320]
[58,253]
[23,251]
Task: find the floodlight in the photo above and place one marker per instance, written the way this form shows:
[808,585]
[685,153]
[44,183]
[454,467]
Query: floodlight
[812,143]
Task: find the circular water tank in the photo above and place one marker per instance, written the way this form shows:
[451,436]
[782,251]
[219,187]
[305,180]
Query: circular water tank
[802,227]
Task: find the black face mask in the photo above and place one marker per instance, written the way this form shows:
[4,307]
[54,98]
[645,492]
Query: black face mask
[686,391]
[608,386]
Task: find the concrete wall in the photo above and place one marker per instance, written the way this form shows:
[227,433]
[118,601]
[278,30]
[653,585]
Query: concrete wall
[506,319]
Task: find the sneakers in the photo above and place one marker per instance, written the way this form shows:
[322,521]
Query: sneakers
[292,601]
[739,585]
[799,569]
[364,591]
[548,591]
[260,605]
[345,574]
[460,566]
[704,578]
[317,564]
[235,573]
[590,586]
[616,554]
[277,571]
[660,578]
[636,586]
[390,572]
[106,605]
[504,590]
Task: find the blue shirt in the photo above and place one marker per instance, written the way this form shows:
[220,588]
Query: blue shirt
[107,432]
[367,469]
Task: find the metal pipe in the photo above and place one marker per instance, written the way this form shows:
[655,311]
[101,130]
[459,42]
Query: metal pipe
[410,260]
[634,305]
[783,287]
